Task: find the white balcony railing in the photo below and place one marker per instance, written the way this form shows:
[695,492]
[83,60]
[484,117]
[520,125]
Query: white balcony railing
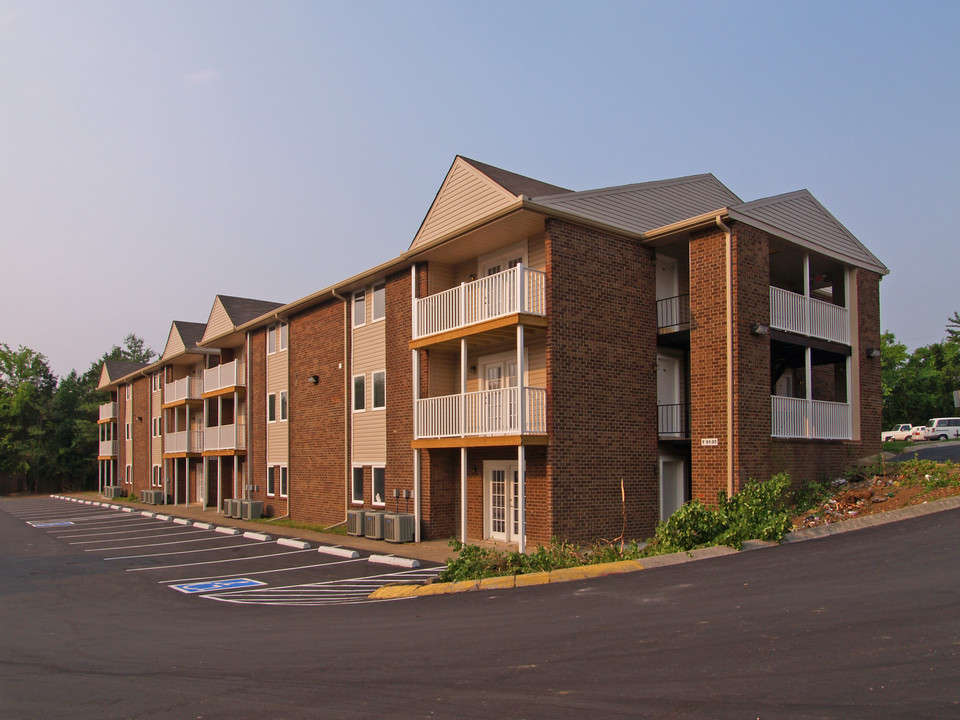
[108,448]
[225,437]
[188,388]
[108,411]
[482,414]
[517,290]
[229,374]
[808,316]
[814,419]
[185,441]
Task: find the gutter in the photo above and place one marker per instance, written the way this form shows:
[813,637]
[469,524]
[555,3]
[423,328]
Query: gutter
[729,278]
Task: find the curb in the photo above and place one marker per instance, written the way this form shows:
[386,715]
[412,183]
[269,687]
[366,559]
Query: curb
[394,560]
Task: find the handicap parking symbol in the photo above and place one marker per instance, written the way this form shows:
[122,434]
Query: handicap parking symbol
[214,585]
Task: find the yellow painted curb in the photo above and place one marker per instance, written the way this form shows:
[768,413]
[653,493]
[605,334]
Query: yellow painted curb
[507,581]
[394,591]
[540,578]
[567,574]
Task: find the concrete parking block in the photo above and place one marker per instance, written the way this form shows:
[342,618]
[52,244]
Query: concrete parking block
[293,542]
[338,551]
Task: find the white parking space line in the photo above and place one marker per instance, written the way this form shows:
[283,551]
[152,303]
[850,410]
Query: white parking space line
[263,572]
[141,537]
[184,552]
[214,562]
[152,528]
[146,545]
[153,525]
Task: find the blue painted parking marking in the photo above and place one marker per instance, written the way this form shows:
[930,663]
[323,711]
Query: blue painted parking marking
[49,524]
[231,584]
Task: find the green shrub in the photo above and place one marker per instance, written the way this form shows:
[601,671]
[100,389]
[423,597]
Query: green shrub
[811,495]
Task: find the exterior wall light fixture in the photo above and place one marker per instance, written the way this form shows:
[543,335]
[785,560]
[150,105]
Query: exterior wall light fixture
[313,379]
[760,329]
[873,353]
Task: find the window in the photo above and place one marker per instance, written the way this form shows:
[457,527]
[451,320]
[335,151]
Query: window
[156,427]
[283,481]
[283,337]
[156,479]
[128,430]
[379,390]
[128,474]
[379,485]
[359,308]
[357,486]
[272,407]
[283,405]
[379,301]
[271,339]
[359,393]
[271,481]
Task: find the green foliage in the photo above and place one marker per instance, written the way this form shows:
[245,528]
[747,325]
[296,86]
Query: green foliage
[811,495]
[918,386]
[929,473]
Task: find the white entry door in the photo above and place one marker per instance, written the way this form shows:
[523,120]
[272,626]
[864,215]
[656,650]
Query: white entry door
[670,411]
[501,502]
[500,406]
[672,486]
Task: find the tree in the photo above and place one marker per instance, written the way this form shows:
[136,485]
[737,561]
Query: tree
[953,327]
[917,386]
[27,386]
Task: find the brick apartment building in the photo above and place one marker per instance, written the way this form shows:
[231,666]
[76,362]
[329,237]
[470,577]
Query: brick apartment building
[538,363]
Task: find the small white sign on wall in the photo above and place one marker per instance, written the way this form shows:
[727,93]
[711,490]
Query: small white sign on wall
[709,442]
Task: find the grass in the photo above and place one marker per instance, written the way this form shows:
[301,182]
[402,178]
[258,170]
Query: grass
[896,446]
[297,525]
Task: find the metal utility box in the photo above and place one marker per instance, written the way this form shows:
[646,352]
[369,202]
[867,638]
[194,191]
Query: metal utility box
[112,491]
[231,507]
[373,525]
[398,527]
[355,522]
[251,509]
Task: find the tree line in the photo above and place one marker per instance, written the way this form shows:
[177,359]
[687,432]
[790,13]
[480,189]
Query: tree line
[48,425]
[918,386]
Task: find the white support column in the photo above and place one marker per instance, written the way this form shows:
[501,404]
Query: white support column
[808,360]
[521,300]
[176,480]
[236,476]
[186,481]
[219,483]
[417,454]
[806,293]
[463,387]
[522,496]
[417,480]
[413,301]
[463,495]
[522,402]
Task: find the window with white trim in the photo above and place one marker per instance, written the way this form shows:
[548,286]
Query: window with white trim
[379,390]
[359,308]
[127,391]
[128,475]
[284,488]
[271,339]
[128,430]
[379,302]
[272,407]
[359,393]
[271,480]
[282,337]
[356,493]
[283,406]
[156,478]
[379,493]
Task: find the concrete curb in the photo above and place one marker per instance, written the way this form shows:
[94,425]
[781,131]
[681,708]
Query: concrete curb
[394,560]
[257,536]
[339,552]
[292,542]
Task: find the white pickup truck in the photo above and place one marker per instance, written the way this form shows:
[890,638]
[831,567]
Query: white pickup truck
[900,432]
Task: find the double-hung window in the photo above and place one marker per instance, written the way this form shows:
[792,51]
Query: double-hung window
[271,480]
[380,390]
[379,486]
[272,407]
[356,492]
[359,308]
[271,339]
[379,302]
[359,393]
[282,337]
[284,489]
[283,405]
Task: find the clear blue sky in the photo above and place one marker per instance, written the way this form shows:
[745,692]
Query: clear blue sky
[154,154]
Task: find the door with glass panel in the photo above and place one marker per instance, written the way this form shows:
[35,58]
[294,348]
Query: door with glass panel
[501,501]
[500,405]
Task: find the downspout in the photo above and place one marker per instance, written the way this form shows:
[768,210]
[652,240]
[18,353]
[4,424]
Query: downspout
[346,404]
[729,268]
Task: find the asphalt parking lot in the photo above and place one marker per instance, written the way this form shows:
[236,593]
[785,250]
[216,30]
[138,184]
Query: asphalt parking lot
[215,562]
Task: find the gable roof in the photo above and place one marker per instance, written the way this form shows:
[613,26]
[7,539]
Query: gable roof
[183,338]
[513,183]
[114,370]
[642,207]
[229,313]
[801,219]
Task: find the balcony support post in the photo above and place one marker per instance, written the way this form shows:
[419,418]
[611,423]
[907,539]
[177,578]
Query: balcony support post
[521,496]
[463,387]
[463,495]
[522,400]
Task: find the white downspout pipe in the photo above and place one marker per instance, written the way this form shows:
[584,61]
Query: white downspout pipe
[729,273]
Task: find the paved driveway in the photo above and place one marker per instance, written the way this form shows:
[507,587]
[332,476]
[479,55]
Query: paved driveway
[939,451]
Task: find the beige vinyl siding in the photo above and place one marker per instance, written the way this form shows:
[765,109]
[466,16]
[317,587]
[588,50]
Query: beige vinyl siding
[369,356]
[156,443]
[174,345]
[465,197]
[537,253]
[219,322]
[440,277]
[535,356]
[278,447]
[465,271]
[444,373]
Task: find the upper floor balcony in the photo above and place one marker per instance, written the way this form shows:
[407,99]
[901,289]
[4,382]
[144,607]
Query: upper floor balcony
[518,290]
[188,388]
[673,421]
[673,314]
[108,448]
[223,377]
[804,315]
[225,437]
[108,411]
[812,419]
[185,441]
[485,413]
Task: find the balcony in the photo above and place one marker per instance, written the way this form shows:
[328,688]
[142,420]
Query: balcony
[108,448]
[222,377]
[108,411]
[225,437]
[811,419]
[487,413]
[673,314]
[513,291]
[673,421]
[185,441]
[808,316]
[188,388]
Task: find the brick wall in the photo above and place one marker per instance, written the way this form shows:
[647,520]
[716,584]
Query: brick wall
[140,432]
[399,389]
[601,388]
[317,470]
[257,425]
